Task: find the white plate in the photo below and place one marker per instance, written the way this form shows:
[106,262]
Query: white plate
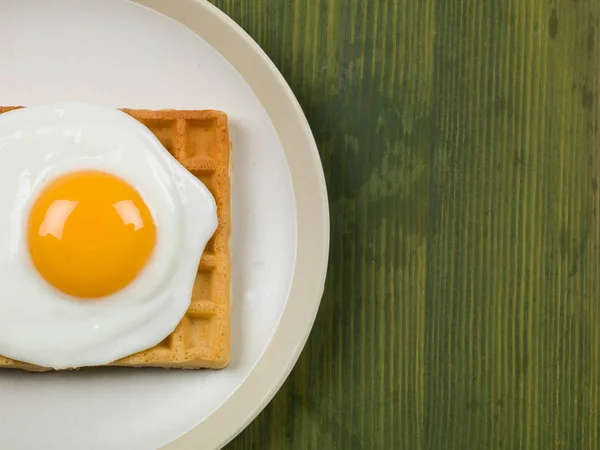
[119,53]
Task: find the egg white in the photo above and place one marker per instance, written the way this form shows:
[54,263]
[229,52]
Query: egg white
[43,326]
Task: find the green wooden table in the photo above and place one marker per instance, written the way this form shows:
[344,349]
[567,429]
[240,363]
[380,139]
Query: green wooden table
[460,141]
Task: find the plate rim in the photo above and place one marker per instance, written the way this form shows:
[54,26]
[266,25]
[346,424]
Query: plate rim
[312,208]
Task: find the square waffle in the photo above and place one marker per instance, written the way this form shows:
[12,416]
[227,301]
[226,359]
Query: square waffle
[199,140]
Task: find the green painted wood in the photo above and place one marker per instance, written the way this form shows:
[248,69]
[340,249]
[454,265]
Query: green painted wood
[460,144]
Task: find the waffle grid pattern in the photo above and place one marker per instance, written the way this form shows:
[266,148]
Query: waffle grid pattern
[199,140]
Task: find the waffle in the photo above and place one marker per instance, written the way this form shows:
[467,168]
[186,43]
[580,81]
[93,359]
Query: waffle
[199,140]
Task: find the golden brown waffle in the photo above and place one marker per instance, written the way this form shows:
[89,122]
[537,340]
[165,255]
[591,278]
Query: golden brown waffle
[199,140]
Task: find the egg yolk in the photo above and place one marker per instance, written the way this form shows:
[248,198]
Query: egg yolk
[90,234]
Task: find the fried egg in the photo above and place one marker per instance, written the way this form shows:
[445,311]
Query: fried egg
[101,234]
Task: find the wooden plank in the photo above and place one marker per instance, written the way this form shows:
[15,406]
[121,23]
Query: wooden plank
[459,140]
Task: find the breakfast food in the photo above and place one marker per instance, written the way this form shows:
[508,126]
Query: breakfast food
[116,311]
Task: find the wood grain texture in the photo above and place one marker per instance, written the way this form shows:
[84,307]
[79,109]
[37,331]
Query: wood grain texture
[460,144]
